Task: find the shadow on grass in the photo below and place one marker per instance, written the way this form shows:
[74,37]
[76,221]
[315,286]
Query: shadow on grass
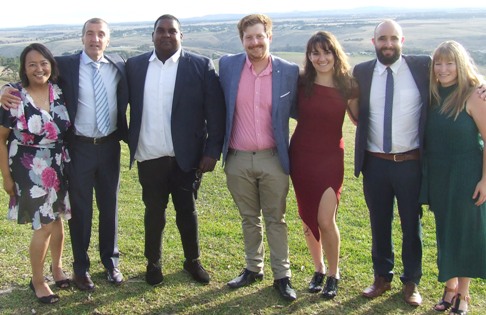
[189,297]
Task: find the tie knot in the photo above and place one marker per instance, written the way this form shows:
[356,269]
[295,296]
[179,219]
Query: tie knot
[389,70]
[95,65]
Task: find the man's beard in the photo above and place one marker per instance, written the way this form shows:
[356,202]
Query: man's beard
[388,60]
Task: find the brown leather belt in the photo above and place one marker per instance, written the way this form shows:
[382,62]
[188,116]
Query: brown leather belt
[99,140]
[397,157]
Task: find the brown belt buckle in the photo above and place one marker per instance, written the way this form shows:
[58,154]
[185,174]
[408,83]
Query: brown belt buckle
[395,158]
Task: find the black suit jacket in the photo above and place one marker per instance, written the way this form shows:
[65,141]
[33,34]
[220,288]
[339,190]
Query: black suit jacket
[198,111]
[69,83]
[363,72]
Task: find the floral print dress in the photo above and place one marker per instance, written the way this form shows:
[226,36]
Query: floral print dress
[36,159]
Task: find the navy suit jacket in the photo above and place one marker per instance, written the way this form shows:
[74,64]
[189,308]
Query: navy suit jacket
[197,121]
[363,72]
[284,99]
[69,83]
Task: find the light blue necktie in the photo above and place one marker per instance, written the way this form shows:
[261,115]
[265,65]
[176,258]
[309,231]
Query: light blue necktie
[101,100]
[387,124]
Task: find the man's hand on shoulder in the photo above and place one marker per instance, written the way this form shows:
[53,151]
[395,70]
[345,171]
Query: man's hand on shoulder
[9,97]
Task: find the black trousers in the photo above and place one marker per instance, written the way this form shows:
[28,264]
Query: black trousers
[160,178]
[94,167]
[383,182]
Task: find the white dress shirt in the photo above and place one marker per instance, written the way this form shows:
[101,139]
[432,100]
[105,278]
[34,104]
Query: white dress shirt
[155,138]
[407,105]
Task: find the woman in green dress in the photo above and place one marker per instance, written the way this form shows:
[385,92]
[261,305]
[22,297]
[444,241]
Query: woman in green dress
[455,173]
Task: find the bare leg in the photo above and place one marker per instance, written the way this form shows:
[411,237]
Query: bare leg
[56,246]
[37,250]
[463,290]
[315,249]
[330,237]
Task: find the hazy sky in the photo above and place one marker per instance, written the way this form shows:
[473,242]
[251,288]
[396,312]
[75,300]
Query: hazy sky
[38,12]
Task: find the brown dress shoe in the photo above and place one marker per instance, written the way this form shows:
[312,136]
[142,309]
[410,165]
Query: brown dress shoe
[411,294]
[379,286]
[83,282]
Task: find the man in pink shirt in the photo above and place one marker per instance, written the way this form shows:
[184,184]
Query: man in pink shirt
[260,94]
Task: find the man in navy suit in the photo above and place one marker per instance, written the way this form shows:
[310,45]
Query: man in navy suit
[176,134]
[95,156]
[394,173]
[260,93]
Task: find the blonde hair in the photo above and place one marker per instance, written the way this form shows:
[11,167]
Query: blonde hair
[468,78]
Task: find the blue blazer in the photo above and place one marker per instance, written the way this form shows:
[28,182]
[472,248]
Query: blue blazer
[363,72]
[284,99]
[198,112]
[69,83]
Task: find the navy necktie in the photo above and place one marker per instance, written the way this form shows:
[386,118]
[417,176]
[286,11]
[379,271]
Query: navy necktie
[387,123]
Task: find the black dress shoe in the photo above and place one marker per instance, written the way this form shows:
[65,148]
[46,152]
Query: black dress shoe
[315,285]
[196,270]
[154,274]
[114,276]
[245,278]
[50,299]
[285,289]
[331,288]
[83,282]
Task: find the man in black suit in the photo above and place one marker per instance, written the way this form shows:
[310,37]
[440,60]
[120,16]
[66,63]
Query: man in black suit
[95,152]
[394,172]
[177,125]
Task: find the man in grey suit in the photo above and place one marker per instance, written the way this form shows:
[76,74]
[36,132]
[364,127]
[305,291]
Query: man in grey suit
[95,154]
[392,172]
[176,134]
[260,93]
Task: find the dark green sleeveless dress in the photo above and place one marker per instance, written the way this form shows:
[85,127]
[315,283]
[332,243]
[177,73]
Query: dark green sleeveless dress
[453,164]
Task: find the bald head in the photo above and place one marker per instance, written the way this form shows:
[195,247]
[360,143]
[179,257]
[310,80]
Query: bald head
[388,40]
[388,26]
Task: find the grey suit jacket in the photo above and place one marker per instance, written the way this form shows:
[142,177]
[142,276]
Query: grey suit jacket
[363,72]
[284,99]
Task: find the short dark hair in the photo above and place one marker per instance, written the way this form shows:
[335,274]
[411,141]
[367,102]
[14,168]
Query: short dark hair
[44,51]
[167,17]
[93,21]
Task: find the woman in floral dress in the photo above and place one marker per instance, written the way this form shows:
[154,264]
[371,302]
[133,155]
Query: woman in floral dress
[32,157]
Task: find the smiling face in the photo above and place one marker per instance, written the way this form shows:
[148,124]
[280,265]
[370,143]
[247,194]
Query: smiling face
[167,38]
[37,68]
[322,60]
[256,42]
[388,41]
[445,71]
[96,38]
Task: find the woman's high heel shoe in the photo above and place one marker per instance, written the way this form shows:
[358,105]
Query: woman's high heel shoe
[444,305]
[455,310]
[50,299]
[331,288]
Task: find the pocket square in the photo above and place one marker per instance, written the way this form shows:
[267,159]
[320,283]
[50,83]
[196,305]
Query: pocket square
[282,96]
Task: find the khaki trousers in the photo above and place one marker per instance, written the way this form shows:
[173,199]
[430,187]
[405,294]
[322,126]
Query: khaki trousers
[259,186]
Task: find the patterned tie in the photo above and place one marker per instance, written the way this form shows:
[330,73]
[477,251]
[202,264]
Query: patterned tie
[387,124]
[101,100]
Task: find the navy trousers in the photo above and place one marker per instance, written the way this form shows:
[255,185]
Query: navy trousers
[94,167]
[384,182]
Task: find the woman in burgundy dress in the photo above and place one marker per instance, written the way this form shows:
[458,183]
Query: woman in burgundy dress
[326,92]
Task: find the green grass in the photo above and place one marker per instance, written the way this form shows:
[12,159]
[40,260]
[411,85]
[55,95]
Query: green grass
[223,255]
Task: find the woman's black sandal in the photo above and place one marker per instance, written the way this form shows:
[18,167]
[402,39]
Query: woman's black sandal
[443,305]
[457,302]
